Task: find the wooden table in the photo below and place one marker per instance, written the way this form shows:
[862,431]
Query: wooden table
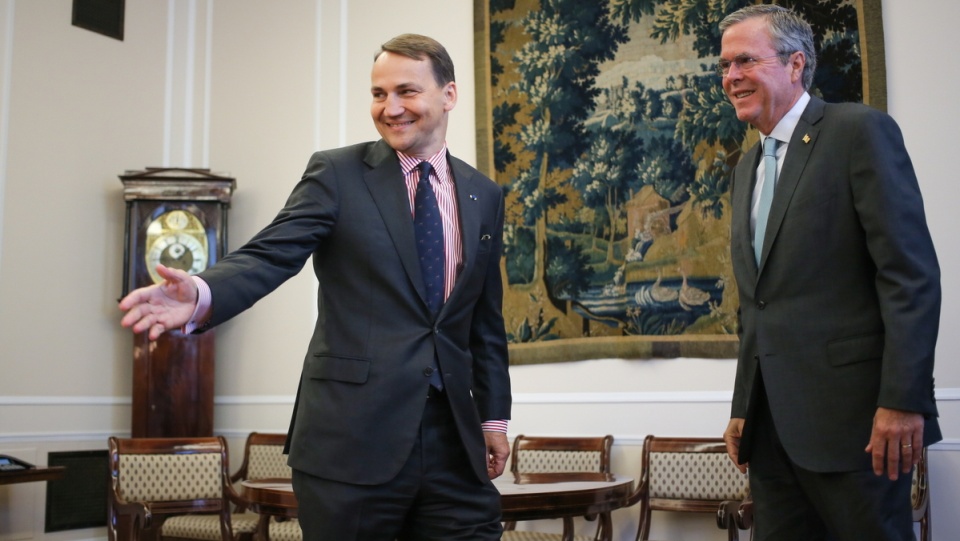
[529,498]
[30,475]
[270,498]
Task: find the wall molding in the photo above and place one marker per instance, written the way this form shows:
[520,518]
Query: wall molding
[56,437]
[526,399]
[65,401]
[640,397]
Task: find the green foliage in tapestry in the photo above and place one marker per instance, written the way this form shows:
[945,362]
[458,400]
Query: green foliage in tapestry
[614,142]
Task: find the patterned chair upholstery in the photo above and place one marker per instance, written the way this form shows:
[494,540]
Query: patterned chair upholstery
[287,530]
[920,497]
[686,475]
[540,459]
[263,458]
[177,488]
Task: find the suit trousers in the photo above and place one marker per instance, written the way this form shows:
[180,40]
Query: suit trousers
[794,504]
[436,496]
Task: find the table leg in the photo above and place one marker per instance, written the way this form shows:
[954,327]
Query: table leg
[263,528]
[568,528]
[606,527]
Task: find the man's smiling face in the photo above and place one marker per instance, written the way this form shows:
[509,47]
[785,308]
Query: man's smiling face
[766,91]
[409,108]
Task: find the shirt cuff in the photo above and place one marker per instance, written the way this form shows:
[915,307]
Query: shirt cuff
[201,311]
[494,426]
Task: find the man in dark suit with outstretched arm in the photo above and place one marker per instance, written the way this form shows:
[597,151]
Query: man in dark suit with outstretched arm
[400,418]
[839,298]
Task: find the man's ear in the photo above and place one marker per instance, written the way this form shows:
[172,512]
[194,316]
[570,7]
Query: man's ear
[450,96]
[798,61]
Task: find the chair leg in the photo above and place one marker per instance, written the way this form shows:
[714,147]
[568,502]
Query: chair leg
[567,529]
[604,528]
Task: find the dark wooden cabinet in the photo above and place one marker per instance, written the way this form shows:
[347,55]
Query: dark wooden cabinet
[177,217]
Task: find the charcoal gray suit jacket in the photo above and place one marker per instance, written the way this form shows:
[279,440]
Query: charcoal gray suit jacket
[364,383]
[843,312]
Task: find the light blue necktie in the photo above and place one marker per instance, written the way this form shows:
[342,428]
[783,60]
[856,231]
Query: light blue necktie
[766,194]
[428,227]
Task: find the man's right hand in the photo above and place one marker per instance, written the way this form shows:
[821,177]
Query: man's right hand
[160,307]
[731,436]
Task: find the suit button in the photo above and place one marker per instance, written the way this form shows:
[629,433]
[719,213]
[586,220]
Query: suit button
[428,371]
[761,305]
[756,358]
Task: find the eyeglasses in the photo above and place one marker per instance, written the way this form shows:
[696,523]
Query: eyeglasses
[743,63]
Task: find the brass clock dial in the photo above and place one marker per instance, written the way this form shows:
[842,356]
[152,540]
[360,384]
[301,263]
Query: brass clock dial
[176,239]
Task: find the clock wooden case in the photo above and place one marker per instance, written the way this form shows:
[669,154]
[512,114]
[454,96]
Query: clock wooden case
[177,217]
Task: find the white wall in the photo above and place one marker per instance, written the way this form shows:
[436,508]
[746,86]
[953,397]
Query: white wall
[250,88]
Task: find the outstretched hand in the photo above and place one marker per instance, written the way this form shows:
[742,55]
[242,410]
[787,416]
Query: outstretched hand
[160,307]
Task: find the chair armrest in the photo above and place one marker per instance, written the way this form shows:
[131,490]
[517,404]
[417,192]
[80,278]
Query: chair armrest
[726,514]
[139,514]
[744,516]
[639,492]
[240,503]
[735,515]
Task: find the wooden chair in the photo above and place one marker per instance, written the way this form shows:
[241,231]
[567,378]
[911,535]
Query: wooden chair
[733,516]
[687,475]
[920,497]
[263,458]
[173,488]
[739,514]
[544,459]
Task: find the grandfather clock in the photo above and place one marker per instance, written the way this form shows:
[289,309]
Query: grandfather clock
[177,217]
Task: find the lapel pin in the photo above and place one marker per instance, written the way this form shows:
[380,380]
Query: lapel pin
[484,237]
[806,138]
[473,197]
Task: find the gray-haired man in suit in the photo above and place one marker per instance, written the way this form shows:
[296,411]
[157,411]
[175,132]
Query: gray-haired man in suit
[839,298]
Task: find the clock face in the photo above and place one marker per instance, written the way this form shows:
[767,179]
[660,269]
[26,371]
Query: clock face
[176,239]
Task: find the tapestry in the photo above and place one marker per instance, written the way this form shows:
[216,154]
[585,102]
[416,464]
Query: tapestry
[606,124]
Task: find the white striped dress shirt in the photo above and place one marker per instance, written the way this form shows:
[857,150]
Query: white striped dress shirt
[445,190]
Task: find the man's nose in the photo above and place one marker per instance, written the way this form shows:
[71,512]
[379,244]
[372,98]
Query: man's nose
[393,105]
[734,72]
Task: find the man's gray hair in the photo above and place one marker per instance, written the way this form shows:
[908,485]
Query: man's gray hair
[788,31]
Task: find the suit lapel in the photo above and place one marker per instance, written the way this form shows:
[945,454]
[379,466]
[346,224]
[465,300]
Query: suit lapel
[801,146]
[389,192]
[469,212]
[746,179]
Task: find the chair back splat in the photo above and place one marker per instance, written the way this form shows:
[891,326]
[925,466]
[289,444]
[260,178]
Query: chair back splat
[263,458]
[541,459]
[173,488]
[687,475]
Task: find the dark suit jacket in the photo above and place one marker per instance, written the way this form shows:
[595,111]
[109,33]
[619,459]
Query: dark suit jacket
[363,386]
[842,315]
